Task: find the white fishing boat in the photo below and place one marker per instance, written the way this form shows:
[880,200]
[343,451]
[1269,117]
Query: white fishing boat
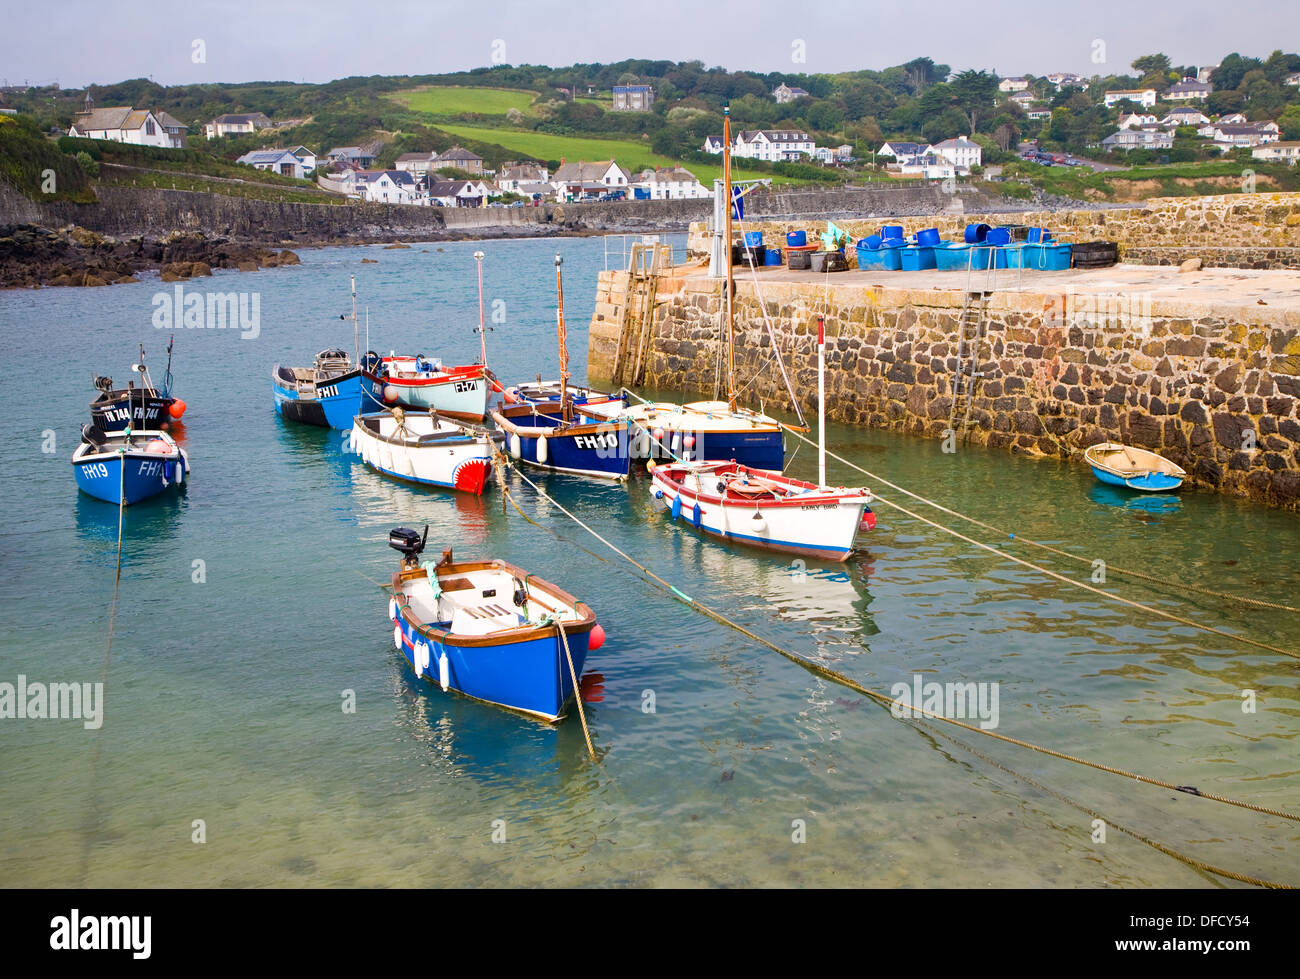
[763,508]
[424,448]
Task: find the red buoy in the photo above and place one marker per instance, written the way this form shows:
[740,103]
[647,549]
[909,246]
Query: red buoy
[596,639]
[177,408]
[689,441]
[509,397]
[868,520]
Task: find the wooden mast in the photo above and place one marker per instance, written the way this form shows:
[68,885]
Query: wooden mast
[726,183]
[565,411]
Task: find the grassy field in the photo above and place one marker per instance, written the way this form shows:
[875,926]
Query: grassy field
[631,154]
[451,100]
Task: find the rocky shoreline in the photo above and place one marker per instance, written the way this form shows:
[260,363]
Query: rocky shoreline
[33,257]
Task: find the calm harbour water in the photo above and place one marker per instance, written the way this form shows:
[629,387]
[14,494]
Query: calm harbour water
[224,697]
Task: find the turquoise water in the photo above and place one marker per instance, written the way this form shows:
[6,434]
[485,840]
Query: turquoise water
[224,697]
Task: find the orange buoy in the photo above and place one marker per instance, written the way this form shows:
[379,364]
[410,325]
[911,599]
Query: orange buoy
[509,397]
[596,639]
[177,408]
[158,447]
[690,441]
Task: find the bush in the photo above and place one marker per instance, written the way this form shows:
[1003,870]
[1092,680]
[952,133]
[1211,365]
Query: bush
[88,163]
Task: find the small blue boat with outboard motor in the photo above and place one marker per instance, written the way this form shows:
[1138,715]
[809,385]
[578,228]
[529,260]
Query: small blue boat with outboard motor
[127,466]
[488,629]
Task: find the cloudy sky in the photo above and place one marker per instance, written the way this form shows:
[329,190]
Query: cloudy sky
[325,39]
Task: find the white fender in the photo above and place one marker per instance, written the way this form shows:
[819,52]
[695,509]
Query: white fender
[758,522]
[541,450]
[515,449]
[677,442]
[444,672]
[392,610]
[421,657]
[397,636]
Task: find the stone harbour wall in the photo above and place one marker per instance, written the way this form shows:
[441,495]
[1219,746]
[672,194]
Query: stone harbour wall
[1235,230]
[1213,387]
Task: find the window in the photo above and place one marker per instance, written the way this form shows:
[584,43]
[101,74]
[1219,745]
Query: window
[149,127]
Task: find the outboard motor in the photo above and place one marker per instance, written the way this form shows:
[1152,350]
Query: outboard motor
[408,541]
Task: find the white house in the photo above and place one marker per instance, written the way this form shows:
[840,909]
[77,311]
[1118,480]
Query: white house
[456,193]
[1287,151]
[773,145]
[1040,111]
[1184,115]
[298,162]
[712,144]
[1017,83]
[1138,139]
[120,124]
[510,179]
[1061,79]
[1241,133]
[589,179]
[928,165]
[1145,97]
[960,152]
[1293,78]
[671,183]
[784,93]
[1024,99]
[1231,117]
[898,150]
[393,187]
[1186,90]
[236,124]
[1136,120]
[415,163]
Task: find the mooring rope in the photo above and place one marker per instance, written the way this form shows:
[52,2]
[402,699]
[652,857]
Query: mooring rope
[577,694]
[1110,823]
[837,677]
[1039,568]
[1127,572]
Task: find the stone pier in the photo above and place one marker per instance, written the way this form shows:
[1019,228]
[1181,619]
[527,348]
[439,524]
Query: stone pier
[1201,366]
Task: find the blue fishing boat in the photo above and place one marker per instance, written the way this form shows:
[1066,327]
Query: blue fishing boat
[489,629]
[327,394]
[1133,468]
[561,435]
[128,466]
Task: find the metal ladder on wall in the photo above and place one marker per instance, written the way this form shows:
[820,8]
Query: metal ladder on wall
[636,319]
[972,329]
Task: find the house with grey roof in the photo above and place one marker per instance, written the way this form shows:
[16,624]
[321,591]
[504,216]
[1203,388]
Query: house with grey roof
[459,158]
[298,162]
[1186,90]
[351,155]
